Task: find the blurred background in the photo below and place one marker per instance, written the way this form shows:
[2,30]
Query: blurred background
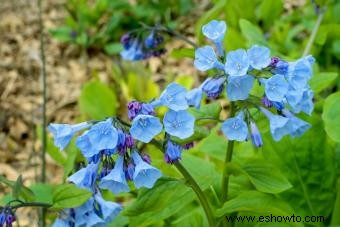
[87,79]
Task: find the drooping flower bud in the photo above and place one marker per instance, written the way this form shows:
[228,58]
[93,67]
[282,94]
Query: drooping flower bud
[256,137]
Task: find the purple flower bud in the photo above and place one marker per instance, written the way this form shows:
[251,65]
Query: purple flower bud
[188,145]
[213,86]
[274,61]
[10,219]
[129,171]
[126,40]
[129,142]
[146,158]
[255,135]
[173,152]
[133,109]
[266,102]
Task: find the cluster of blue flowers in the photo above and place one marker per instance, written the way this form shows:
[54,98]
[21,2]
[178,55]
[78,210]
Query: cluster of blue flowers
[138,47]
[113,160]
[7,216]
[285,85]
[110,146]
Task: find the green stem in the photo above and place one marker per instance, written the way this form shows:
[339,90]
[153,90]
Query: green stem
[304,188]
[195,187]
[33,204]
[336,210]
[225,176]
[314,32]
[200,194]
[179,36]
[228,157]
[44,124]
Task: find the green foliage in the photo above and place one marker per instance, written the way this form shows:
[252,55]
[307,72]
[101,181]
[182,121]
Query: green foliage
[331,116]
[99,24]
[97,100]
[68,196]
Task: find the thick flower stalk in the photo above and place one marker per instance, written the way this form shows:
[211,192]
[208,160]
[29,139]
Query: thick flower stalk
[110,146]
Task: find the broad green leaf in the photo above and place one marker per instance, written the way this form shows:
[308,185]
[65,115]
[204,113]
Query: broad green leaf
[19,190]
[252,33]
[119,221]
[43,193]
[269,10]
[97,100]
[69,195]
[214,145]
[113,48]
[189,216]
[206,112]
[206,175]
[257,203]
[321,81]
[306,161]
[265,176]
[331,116]
[183,52]
[166,198]
[185,81]
[72,153]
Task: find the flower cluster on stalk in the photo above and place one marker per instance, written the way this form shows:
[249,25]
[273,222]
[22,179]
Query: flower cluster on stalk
[285,84]
[141,45]
[111,146]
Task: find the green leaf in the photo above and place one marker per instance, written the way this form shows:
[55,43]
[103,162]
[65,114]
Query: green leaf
[321,81]
[265,176]
[214,145]
[69,195]
[43,193]
[331,116]
[206,175]
[183,52]
[252,33]
[306,161]
[62,34]
[257,203]
[269,10]
[113,48]
[97,100]
[185,81]
[72,153]
[20,191]
[166,198]
[211,110]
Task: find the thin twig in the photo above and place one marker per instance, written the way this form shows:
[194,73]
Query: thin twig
[44,123]
[314,32]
